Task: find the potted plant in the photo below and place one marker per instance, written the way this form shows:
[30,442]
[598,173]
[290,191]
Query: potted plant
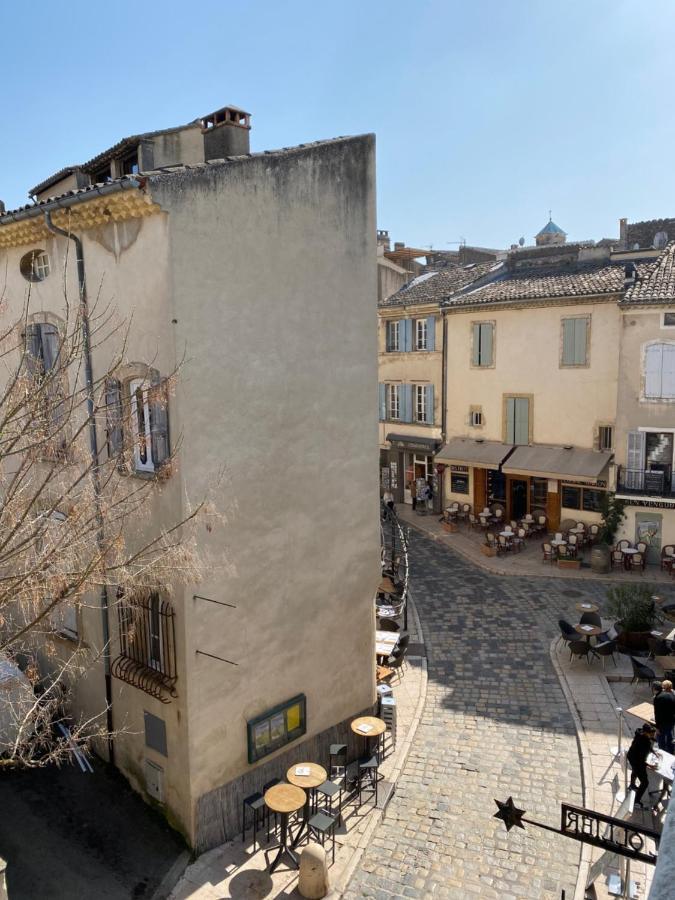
[633,608]
[612,512]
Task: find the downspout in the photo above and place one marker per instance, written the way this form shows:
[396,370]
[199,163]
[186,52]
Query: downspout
[96,481]
[444,393]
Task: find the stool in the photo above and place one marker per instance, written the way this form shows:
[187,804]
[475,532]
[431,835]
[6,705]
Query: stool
[368,767]
[388,715]
[322,825]
[266,809]
[329,790]
[256,803]
[338,760]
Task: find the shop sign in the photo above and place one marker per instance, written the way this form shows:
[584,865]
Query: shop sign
[459,469]
[411,445]
[607,832]
[649,504]
[587,484]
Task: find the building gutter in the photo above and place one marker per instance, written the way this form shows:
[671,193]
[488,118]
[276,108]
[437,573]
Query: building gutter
[49,206]
[93,450]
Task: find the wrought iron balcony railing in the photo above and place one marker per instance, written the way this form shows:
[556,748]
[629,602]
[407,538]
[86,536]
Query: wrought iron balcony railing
[645,482]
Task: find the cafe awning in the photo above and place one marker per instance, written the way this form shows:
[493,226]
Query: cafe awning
[563,463]
[469,452]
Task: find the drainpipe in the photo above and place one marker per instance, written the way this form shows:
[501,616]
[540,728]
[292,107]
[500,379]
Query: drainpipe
[96,480]
[444,399]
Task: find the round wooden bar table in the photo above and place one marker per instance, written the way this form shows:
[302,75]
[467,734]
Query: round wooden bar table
[284,799]
[586,607]
[588,631]
[316,776]
[369,727]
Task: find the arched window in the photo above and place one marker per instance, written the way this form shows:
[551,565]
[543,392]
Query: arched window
[137,419]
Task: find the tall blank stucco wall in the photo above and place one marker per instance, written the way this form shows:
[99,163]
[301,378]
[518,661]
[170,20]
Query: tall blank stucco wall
[274,279]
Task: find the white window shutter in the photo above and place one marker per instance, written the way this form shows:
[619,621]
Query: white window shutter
[668,372]
[653,368]
[635,459]
[510,420]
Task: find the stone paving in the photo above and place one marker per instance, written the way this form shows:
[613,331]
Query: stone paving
[495,723]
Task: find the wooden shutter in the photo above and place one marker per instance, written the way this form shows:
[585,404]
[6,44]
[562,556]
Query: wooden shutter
[407,325]
[114,416]
[388,329]
[568,342]
[653,369]
[51,345]
[486,344]
[429,400]
[33,354]
[668,372]
[406,401]
[431,332]
[159,419]
[635,459]
[510,420]
[580,332]
[383,400]
[476,344]
[522,420]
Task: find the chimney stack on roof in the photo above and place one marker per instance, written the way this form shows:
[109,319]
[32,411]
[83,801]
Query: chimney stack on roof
[226,133]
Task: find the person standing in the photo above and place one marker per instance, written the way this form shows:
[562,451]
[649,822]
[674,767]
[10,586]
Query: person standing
[664,715]
[388,499]
[429,495]
[638,754]
[412,487]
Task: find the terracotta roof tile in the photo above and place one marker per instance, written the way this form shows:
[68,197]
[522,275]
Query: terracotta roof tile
[436,286]
[655,282]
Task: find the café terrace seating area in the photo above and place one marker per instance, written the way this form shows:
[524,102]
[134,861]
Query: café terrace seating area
[568,546]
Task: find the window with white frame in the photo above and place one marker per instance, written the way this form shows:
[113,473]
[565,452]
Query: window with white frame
[393,336]
[137,422]
[420,334]
[393,401]
[421,403]
[659,371]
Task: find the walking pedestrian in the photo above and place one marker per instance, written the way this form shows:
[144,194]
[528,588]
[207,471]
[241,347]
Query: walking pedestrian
[664,715]
[388,499]
[638,754]
[429,495]
[412,487]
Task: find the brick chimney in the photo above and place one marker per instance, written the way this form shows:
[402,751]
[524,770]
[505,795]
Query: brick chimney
[226,133]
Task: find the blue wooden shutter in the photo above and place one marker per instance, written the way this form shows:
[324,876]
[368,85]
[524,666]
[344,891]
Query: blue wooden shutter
[159,419]
[407,335]
[522,420]
[383,401]
[406,402]
[653,369]
[429,400]
[431,333]
[486,344]
[476,344]
[510,420]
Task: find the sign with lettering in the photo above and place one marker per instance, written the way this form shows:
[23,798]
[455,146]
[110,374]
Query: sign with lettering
[648,504]
[598,483]
[654,482]
[459,468]
[607,832]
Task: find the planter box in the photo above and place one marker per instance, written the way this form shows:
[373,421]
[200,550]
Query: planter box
[488,551]
[450,527]
[569,563]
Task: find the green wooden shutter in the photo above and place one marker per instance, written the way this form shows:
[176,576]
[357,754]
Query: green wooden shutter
[522,420]
[580,330]
[476,344]
[486,343]
[568,342]
[510,420]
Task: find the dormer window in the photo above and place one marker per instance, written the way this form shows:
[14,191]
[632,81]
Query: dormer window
[129,163]
[101,176]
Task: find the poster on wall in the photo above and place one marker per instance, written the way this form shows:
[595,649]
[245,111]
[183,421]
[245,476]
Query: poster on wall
[648,530]
[384,477]
[394,474]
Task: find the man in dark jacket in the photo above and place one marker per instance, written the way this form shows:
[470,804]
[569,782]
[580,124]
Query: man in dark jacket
[637,755]
[664,716]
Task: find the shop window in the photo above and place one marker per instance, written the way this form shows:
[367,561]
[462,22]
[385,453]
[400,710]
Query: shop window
[588,499]
[496,484]
[538,492]
[591,500]
[459,483]
[571,497]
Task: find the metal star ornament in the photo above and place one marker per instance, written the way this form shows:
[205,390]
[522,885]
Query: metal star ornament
[510,814]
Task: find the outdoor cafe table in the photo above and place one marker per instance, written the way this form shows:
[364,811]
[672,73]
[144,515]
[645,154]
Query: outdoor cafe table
[588,631]
[385,641]
[368,727]
[627,553]
[558,543]
[312,776]
[284,799]
[644,711]
[663,768]
[667,663]
[586,607]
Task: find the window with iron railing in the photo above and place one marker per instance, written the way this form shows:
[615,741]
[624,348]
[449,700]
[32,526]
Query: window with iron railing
[147,657]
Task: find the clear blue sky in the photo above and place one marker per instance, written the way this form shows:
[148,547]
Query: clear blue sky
[486,112]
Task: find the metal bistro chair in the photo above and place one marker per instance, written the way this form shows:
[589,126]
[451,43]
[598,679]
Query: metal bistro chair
[484,522]
[549,552]
[667,556]
[581,650]
[616,559]
[623,544]
[465,511]
[491,540]
[593,533]
[473,522]
[607,648]
[321,826]
[572,545]
[504,544]
[256,804]
[641,672]
[568,633]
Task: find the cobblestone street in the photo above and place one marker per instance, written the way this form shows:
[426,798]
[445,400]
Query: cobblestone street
[495,724]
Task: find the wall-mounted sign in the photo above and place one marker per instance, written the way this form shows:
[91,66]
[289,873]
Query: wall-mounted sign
[649,504]
[616,835]
[459,468]
[276,727]
[588,484]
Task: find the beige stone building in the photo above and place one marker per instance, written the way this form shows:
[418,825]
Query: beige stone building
[554,370]
[248,265]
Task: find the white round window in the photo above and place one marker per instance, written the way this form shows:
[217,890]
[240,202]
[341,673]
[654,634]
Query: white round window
[35,265]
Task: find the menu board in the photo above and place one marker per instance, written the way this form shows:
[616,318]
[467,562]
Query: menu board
[276,727]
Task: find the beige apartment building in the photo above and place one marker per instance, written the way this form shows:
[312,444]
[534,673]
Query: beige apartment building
[556,377]
[247,266]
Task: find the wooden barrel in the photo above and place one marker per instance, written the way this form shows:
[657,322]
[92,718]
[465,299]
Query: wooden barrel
[600,556]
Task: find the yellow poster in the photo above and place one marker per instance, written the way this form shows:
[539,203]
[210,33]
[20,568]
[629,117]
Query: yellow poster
[293,717]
